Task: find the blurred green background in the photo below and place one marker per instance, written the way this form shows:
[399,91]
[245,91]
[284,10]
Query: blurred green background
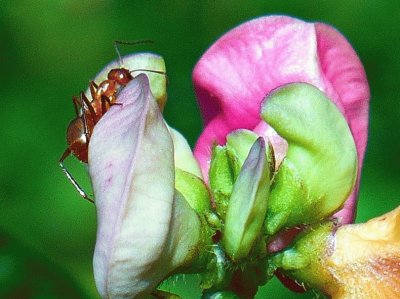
[48,52]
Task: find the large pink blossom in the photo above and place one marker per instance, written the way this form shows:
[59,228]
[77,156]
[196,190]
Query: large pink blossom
[233,77]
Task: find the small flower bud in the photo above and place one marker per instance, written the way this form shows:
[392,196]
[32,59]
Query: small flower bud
[247,204]
[239,143]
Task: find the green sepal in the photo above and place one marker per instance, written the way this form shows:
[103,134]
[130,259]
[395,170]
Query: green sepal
[320,168]
[247,204]
[303,260]
[221,178]
[291,259]
[193,190]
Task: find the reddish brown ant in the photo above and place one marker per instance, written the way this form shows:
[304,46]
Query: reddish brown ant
[88,112]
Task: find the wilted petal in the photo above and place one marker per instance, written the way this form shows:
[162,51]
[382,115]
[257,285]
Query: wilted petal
[355,261]
[142,223]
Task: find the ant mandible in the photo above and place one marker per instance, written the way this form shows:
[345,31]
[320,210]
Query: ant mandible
[88,112]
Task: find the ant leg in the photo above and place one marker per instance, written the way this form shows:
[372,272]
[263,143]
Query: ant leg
[90,107]
[77,105]
[85,128]
[104,100]
[70,177]
[93,89]
[134,42]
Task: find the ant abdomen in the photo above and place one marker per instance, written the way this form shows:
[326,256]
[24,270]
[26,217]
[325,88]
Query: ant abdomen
[78,138]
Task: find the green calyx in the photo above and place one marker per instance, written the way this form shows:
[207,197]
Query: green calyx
[303,261]
[227,162]
[193,190]
[218,272]
[240,182]
[222,175]
[320,168]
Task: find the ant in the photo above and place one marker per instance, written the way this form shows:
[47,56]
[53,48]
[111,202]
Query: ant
[89,112]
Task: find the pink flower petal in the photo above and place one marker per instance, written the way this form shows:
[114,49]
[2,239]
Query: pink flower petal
[244,65]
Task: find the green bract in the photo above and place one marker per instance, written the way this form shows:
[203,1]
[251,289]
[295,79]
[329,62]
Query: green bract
[248,204]
[320,168]
[303,260]
[194,190]
[221,177]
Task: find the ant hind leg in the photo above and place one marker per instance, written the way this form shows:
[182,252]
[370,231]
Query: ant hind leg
[89,106]
[81,192]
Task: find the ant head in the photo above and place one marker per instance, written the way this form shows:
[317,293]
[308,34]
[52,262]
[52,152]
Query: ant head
[120,75]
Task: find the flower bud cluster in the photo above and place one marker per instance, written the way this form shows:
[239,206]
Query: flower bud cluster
[275,155]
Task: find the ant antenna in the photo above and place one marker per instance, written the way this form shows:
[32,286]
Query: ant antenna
[134,42]
[150,71]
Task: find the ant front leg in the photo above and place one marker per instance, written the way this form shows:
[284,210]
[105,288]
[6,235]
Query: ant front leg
[82,193]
